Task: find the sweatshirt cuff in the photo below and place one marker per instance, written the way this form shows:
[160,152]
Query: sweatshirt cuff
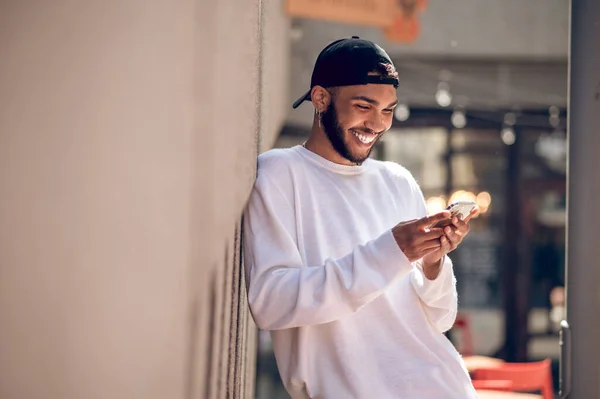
[431,290]
[390,256]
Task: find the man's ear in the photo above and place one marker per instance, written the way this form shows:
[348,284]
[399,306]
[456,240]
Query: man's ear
[321,98]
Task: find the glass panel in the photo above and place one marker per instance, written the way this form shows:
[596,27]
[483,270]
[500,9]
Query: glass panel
[422,152]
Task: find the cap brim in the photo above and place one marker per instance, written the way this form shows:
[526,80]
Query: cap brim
[299,101]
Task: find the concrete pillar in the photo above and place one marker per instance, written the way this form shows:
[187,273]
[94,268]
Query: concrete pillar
[583,249]
[128,143]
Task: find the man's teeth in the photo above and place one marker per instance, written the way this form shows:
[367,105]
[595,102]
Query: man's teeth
[364,138]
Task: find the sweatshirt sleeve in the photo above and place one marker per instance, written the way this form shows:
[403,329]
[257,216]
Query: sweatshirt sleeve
[439,296]
[283,292]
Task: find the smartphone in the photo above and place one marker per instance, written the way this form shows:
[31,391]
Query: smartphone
[461,209]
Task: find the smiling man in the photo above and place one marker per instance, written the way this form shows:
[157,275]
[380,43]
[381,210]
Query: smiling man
[342,264]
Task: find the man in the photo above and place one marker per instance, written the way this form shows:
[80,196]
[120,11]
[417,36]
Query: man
[342,263]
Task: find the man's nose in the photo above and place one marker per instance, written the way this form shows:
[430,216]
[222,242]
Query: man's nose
[375,123]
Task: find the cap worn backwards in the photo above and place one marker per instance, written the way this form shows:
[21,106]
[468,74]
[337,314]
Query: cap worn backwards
[348,62]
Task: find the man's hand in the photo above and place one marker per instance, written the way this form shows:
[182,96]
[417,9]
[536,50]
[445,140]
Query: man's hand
[415,238]
[453,236]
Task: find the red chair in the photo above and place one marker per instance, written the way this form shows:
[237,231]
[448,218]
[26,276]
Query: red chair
[531,376]
[496,385]
[463,324]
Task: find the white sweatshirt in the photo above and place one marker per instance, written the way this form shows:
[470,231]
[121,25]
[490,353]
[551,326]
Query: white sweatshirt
[350,316]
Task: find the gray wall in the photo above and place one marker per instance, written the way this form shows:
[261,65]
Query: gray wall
[128,139]
[582,361]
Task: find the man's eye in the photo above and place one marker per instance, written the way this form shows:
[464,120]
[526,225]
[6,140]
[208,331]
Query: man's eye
[388,111]
[362,106]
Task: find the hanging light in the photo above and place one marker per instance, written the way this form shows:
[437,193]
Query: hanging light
[458,118]
[462,195]
[554,118]
[483,199]
[443,96]
[510,118]
[508,135]
[296,33]
[402,112]
[553,149]
[435,204]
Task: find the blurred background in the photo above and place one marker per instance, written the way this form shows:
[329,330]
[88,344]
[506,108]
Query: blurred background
[482,116]
[129,132]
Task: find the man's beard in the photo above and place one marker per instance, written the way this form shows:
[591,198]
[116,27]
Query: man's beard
[335,134]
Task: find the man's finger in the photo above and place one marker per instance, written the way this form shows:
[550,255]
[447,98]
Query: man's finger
[445,241]
[461,225]
[407,222]
[432,219]
[430,244]
[430,234]
[451,234]
[447,245]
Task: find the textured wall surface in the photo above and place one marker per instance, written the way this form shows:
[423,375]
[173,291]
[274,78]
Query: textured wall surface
[128,139]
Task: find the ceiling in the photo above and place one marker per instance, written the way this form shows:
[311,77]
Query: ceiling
[515,58]
[484,84]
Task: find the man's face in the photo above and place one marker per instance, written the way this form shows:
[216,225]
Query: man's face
[357,117]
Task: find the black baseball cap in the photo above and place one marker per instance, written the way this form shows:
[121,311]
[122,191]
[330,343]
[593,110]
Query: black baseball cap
[348,62]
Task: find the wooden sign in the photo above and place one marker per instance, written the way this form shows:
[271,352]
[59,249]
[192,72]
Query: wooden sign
[378,13]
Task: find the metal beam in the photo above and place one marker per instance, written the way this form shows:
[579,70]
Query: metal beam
[515,272]
[529,119]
